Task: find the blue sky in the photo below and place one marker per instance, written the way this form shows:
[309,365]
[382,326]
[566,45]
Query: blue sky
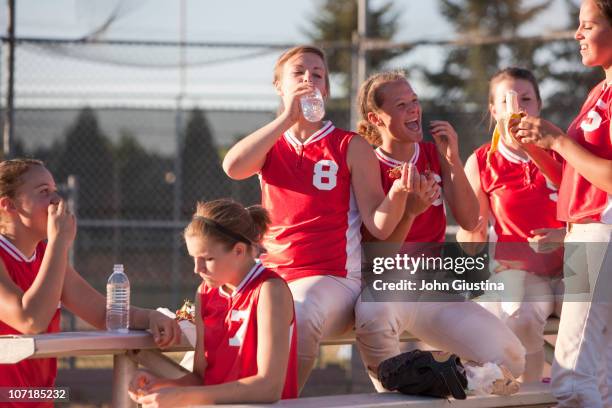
[244,83]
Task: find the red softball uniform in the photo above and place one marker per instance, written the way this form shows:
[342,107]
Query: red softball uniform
[230,332]
[40,372]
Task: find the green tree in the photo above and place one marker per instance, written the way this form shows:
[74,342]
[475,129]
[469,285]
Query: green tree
[140,176]
[463,78]
[336,20]
[572,80]
[87,153]
[203,176]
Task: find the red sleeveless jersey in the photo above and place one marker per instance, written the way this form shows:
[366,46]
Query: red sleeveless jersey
[230,332]
[306,188]
[579,200]
[521,199]
[39,372]
[429,226]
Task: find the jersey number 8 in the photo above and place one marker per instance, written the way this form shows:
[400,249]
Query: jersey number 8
[325,175]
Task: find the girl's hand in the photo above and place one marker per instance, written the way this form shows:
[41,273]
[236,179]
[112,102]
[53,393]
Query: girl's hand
[166,397]
[426,192]
[61,224]
[534,130]
[291,100]
[446,140]
[407,182]
[141,384]
[165,330]
[546,240]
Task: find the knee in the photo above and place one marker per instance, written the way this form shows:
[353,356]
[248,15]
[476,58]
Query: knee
[309,320]
[528,326]
[513,357]
[375,318]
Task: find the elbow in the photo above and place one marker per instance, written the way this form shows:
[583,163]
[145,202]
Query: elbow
[231,167]
[32,327]
[470,223]
[380,234]
[273,393]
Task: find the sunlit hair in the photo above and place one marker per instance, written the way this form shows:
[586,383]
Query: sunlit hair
[371,99]
[300,49]
[290,53]
[11,172]
[512,73]
[228,222]
[605,8]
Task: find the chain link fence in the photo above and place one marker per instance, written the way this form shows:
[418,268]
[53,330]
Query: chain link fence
[143,129]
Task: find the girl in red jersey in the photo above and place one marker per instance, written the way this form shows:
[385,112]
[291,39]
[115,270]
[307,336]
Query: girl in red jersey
[584,342]
[246,337]
[35,276]
[391,120]
[506,184]
[318,183]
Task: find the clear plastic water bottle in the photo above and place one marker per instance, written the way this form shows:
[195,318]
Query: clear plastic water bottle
[313,107]
[118,301]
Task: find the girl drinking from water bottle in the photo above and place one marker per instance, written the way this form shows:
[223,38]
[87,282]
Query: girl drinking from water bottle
[36,279]
[318,183]
[246,340]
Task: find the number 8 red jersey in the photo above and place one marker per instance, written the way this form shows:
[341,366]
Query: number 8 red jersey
[306,188]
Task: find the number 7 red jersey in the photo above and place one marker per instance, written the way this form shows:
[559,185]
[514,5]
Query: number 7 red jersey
[230,332]
[306,188]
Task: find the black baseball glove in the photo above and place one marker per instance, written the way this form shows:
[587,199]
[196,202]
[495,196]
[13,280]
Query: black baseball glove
[435,374]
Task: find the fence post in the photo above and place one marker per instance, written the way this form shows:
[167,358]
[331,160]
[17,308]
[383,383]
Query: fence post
[72,200]
[9,109]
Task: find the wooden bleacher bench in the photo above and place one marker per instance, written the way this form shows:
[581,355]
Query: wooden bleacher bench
[537,395]
[531,396]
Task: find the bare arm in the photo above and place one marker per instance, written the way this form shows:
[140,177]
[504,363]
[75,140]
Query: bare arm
[274,315]
[457,189]
[479,234]
[597,170]
[30,312]
[144,382]
[90,305]
[380,213]
[248,156]
[550,168]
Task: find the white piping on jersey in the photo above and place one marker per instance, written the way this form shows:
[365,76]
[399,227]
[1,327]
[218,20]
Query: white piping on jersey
[510,156]
[14,251]
[606,215]
[252,274]
[391,162]
[353,239]
[600,104]
[327,128]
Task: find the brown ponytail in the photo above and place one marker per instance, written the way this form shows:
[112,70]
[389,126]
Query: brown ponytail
[228,222]
[370,99]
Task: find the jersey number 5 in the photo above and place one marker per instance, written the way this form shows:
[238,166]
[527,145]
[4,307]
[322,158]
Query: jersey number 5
[325,175]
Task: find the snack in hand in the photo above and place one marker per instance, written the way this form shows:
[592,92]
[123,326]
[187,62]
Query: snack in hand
[396,172]
[512,111]
[186,312]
